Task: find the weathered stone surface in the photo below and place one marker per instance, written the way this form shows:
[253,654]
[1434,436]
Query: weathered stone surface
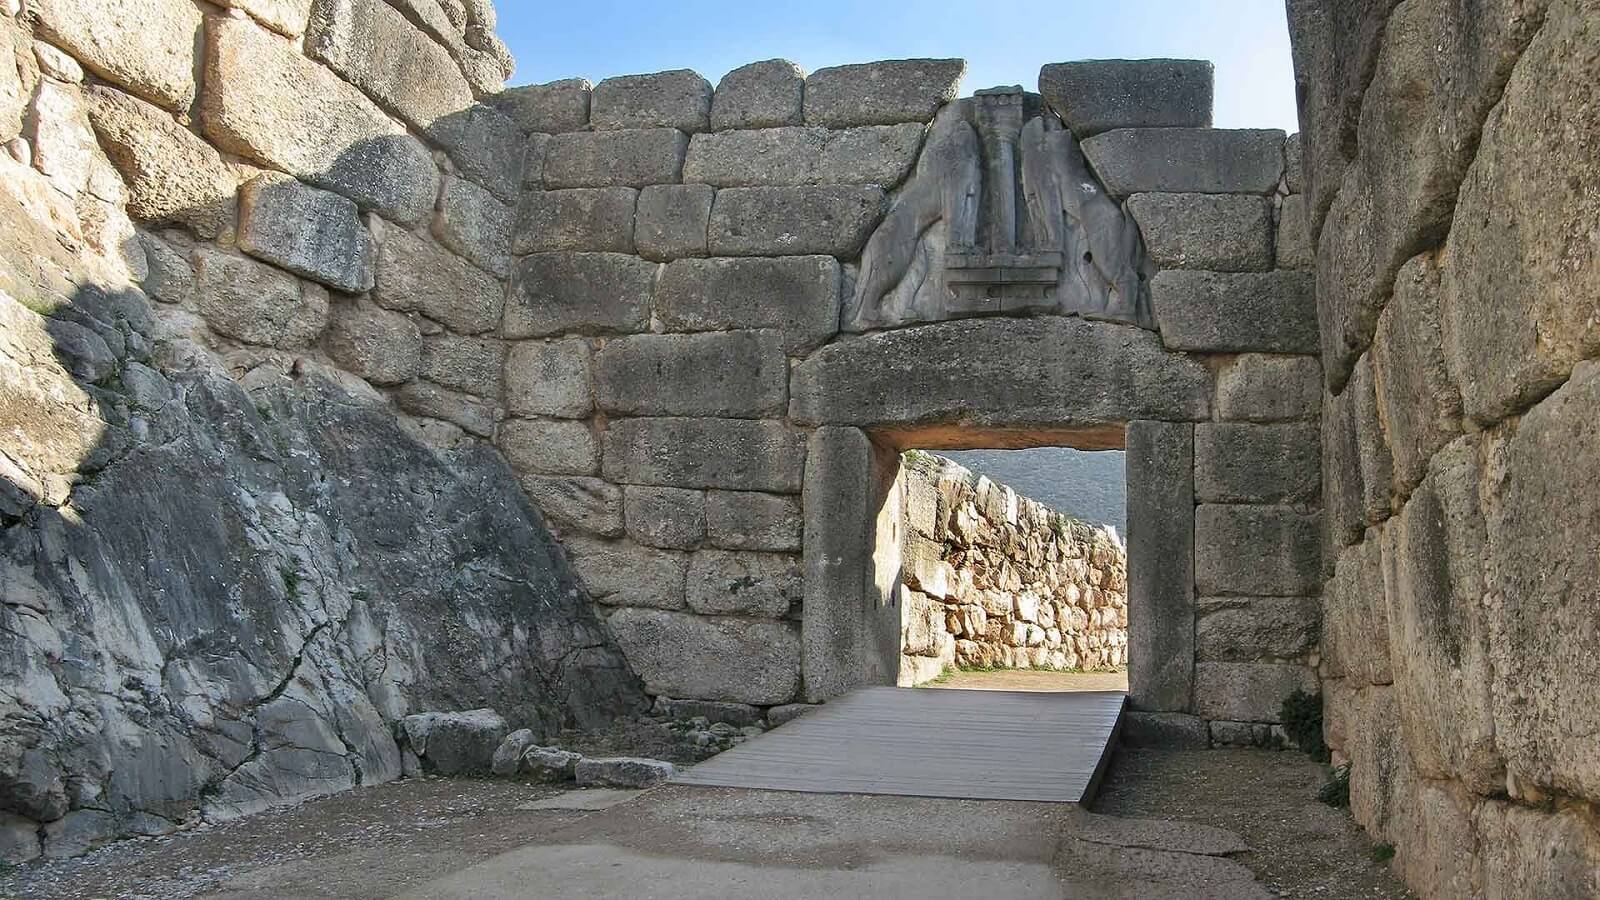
[266,102]
[671,220]
[621,573]
[1165,731]
[1357,469]
[740,520]
[471,414]
[377,49]
[788,712]
[1542,573]
[1283,558]
[1096,95]
[286,17]
[1355,631]
[172,176]
[739,715]
[1251,629]
[1012,373]
[633,158]
[734,454]
[257,304]
[796,296]
[1240,463]
[764,94]
[597,219]
[716,658]
[1294,250]
[19,839]
[473,224]
[1294,171]
[1216,312]
[673,518]
[622,772]
[1248,692]
[508,756]
[63,140]
[14,98]
[466,364]
[1417,400]
[145,46]
[550,108]
[417,275]
[1259,388]
[794,221]
[590,505]
[599,293]
[734,374]
[724,582]
[381,346]
[1160,479]
[678,99]
[1187,160]
[486,145]
[1220,232]
[1519,297]
[455,743]
[549,378]
[874,154]
[550,446]
[881,93]
[1533,853]
[550,764]
[1433,552]
[308,231]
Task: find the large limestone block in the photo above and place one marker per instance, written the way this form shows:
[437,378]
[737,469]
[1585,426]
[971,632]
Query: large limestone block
[732,374]
[1294,250]
[725,582]
[1535,853]
[673,518]
[1543,512]
[1248,692]
[1245,463]
[173,177]
[1165,731]
[256,303]
[621,573]
[430,401]
[1355,621]
[1356,464]
[744,520]
[145,46]
[1161,610]
[286,17]
[310,232]
[1096,95]
[872,154]
[594,219]
[417,275]
[733,454]
[1253,550]
[14,98]
[1254,387]
[486,146]
[473,223]
[473,365]
[62,140]
[381,346]
[1433,553]
[1219,232]
[590,505]
[1050,372]
[796,296]
[1187,160]
[1381,780]
[881,93]
[1217,312]
[764,94]
[550,446]
[1254,629]
[266,102]
[738,660]
[554,293]
[549,378]
[632,158]
[671,220]
[1417,400]
[794,221]
[376,48]
[678,99]
[554,107]
[1521,290]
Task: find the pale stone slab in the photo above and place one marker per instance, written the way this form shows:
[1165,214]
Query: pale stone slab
[256,303]
[590,505]
[720,658]
[881,93]
[145,46]
[1218,232]
[474,224]
[741,583]
[794,221]
[375,47]
[550,446]
[550,108]
[417,275]
[621,573]
[732,454]
[1256,550]
[1160,483]
[1217,312]
[674,518]
[1187,160]
[1248,692]
[549,378]
[1096,95]
[763,94]
[308,231]
[381,346]
[678,99]
[631,158]
[466,364]
[1259,388]
[671,220]
[593,219]
[1247,463]
[743,520]
[735,374]
[555,293]
[797,296]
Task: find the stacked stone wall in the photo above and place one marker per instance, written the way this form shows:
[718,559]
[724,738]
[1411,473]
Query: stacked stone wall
[992,579]
[1452,184]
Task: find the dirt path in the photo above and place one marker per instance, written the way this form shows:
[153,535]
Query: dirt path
[1032,680]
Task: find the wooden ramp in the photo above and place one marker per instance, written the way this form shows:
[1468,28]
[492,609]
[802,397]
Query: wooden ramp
[976,745]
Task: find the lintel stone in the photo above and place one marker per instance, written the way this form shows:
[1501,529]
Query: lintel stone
[1187,160]
[1096,95]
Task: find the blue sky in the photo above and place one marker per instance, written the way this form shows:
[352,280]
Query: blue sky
[1003,42]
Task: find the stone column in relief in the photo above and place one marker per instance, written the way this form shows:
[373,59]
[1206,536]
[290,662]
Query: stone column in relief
[845,628]
[1160,484]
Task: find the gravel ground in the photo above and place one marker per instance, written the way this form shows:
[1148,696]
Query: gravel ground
[1301,848]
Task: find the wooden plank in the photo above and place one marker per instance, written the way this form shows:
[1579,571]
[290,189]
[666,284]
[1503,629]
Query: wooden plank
[980,745]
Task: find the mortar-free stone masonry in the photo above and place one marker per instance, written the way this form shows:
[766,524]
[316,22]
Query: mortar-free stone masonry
[342,383]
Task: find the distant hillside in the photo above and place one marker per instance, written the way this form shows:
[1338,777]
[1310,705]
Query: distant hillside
[1085,485]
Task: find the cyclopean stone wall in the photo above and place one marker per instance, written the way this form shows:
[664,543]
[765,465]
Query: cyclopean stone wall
[992,578]
[1453,185]
[250,294]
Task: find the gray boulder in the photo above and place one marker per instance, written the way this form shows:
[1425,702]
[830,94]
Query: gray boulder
[508,756]
[455,743]
[623,772]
